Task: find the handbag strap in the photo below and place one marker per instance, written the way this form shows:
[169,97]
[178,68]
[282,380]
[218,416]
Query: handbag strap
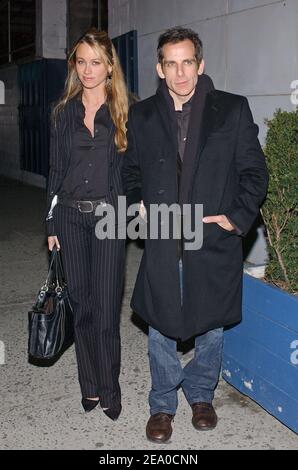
[60,277]
[55,275]
[49,278]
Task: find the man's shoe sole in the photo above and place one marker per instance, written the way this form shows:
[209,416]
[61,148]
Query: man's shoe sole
[204,428]
[158,441]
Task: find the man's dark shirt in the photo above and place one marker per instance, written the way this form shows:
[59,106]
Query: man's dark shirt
[183,122]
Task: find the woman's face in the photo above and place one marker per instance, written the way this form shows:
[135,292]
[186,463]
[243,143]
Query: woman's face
[91,69]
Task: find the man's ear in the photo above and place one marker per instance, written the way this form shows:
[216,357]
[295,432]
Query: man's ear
[201,67]
[159,70]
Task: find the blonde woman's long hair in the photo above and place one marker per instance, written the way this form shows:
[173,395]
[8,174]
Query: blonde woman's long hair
[116,90]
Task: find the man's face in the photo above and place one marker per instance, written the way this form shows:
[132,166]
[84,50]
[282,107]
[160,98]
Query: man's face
[180,69]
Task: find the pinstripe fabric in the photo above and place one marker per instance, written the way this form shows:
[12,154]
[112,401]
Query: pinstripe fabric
[94,272]
[94,269]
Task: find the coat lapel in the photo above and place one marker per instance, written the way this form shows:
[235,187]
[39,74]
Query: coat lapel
[168,119]
[212,119]
[209,120]
[200,123]
[72,110]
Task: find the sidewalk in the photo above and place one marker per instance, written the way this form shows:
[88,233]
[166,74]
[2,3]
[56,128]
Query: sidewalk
[40,407]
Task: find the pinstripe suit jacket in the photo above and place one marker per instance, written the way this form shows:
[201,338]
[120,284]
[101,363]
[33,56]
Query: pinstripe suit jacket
[62,132]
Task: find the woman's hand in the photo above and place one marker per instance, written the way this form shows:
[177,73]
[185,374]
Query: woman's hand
[53,241]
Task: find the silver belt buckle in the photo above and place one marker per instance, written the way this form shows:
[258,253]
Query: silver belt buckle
[86,211]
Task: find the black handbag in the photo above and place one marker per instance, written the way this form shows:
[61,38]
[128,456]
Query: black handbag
[51,317]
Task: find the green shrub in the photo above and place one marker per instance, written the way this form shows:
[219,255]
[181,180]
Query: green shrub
[280,211]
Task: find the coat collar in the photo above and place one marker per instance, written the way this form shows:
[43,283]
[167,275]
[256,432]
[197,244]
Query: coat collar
[207,115]
[204,91]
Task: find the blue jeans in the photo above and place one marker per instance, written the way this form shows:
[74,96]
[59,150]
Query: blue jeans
[198,378]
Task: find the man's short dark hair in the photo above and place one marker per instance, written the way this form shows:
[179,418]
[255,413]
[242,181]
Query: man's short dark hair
[178,34]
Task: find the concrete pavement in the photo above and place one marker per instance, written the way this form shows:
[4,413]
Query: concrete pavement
[40,407]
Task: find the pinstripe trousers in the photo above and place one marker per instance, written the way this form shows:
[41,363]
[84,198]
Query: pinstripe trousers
[94,271]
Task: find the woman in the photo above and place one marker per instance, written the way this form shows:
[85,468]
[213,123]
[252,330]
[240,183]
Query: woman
[87,142]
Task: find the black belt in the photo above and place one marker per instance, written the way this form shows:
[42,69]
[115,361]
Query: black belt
[82,206]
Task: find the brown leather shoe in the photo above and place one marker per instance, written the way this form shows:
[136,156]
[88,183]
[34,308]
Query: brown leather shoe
[159,427]
[203,416]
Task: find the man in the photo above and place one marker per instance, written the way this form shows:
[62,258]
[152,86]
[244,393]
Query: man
[191,144]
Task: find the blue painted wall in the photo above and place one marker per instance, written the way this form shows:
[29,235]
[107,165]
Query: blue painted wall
[260,356]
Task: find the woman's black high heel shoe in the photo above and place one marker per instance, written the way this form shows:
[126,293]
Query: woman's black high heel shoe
[113,413]
[89,405]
